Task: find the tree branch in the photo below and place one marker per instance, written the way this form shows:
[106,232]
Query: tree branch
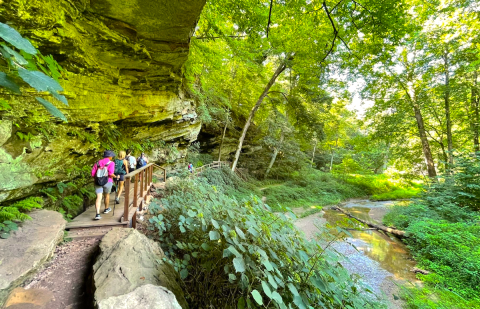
[335,31]
[269,16]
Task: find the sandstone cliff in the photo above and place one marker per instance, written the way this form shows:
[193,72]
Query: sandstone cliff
[123,78]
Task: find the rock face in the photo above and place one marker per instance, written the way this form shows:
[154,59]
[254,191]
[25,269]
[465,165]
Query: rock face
[129,260]
[146,296]
[28,248]
[123,79]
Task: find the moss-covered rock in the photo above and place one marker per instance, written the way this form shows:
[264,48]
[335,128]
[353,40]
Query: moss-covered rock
[123,68]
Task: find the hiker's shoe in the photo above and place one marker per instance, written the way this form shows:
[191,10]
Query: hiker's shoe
[97,217]
[117,201]
[106,211]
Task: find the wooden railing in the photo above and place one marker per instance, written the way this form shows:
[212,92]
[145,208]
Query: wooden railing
[214,164]
[143,180]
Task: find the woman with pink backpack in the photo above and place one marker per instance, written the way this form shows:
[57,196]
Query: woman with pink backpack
[103,173]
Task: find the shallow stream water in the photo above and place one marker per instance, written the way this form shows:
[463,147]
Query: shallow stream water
[383,261]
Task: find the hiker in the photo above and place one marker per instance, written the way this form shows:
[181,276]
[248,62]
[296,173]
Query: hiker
[132,162]
[121,169]
[142,160]
[103,172]
[190,167]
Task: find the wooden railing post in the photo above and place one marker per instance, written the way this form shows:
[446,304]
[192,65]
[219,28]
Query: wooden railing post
[141,190]
[145,183]
[127,199]
[135,192]
[134,220]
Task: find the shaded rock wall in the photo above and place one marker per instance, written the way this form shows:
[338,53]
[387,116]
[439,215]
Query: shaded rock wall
[123,62]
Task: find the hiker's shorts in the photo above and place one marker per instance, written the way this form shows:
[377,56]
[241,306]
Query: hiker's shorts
[105,189]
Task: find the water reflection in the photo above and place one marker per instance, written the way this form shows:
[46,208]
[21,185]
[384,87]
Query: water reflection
[389,252]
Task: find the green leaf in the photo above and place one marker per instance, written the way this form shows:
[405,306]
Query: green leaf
[252,231]
[258,298]
[39,80]
[297,300]
[59,97]
[184,273]
[292,289]
[182,229]
[215,224]
[52,109]
[240,233]
[205,247]
[266,289]
[7,82]
[15,54]
[239,264]
[272,282]
[4,235]
[232,277]
[241,303]
[267,265]
[191,213]
[234,251]
[13,37]
[276,297]
[214,235]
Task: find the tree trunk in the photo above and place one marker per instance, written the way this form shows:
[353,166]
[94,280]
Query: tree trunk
[314,148]
[475,113]
[274,156]
[447,111]
[396,232]
[279,71]
[425,145]
[221,143]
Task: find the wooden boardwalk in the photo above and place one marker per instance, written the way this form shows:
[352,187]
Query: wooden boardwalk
[132,199]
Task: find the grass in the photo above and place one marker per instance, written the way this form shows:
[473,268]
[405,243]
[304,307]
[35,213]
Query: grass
[311,188]
[315,188]
[398,194]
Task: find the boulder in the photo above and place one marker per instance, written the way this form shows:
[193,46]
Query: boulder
[28,248]
[127,261]
[145,296]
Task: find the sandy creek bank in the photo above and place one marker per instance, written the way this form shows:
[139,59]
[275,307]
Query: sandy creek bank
[382,261]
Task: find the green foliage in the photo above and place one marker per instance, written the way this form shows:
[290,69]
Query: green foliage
[443,229]
[396,194]
[16,212]
[245,255]
[311,187]
[23,66]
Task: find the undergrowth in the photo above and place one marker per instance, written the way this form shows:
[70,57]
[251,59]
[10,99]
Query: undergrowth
[234,253]
[443,228]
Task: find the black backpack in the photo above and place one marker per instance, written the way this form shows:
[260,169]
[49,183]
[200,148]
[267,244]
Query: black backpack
[101,176]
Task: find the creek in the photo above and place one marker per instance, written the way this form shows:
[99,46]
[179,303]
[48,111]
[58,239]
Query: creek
[382,261]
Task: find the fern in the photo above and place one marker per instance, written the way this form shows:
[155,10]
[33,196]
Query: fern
[16,212]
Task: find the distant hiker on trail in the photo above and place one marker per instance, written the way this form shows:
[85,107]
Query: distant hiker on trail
[132,162]
[142,160]
[103,172]
[121,169]
[190,167]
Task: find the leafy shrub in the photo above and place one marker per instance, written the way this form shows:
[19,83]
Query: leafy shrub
[23,61]
[444,236]
[234,254]
[16,212]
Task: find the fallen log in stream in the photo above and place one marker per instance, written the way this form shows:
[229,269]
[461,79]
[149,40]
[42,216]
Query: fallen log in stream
[396,232]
